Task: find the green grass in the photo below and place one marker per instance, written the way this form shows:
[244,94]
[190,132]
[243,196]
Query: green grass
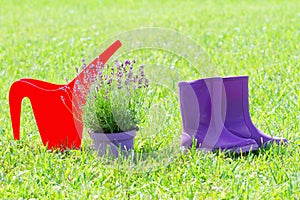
[46,39]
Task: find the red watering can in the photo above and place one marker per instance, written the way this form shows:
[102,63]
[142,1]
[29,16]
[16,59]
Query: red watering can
[57,108]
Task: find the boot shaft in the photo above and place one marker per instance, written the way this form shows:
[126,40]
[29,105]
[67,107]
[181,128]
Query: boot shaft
[236,95]
[200,104]
[238,119]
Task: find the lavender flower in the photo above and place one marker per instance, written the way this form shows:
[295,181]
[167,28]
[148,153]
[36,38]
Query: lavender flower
[100,76]
[120,74]
[142,70]
[83,64]
[109,81]
[146,83]
[127,62]
[126,82]
[118,63]
[140,81]
[99,65]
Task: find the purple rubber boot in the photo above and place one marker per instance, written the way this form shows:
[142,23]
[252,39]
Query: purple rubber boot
[238,120]
[200,107]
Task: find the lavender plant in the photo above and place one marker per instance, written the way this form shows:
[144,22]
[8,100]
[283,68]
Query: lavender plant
[117,103]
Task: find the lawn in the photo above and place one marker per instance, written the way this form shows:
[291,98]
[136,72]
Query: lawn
[46,40]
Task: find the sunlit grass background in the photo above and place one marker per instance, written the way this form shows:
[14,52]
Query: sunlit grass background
[46,39]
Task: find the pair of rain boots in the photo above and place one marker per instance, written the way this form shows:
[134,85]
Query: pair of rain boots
[215,114]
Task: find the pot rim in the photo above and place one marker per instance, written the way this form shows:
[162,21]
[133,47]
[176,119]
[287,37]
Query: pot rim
[113,136]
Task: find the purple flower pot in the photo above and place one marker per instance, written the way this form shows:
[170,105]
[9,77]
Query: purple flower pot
[113,143]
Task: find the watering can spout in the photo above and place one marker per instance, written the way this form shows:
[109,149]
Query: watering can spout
[110,51]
